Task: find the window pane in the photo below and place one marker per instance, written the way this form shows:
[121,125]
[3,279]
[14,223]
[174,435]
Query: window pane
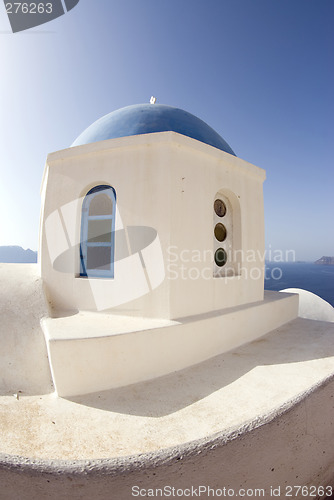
[101,204]
[98,258]
[99,231]
[220,257]
[220,232]
[220,208]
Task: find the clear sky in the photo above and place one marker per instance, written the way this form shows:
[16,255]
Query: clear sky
[260,72]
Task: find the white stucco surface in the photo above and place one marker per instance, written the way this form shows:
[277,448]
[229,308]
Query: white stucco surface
[24,363]
[311,306]
[257,416]
[90,352]
[156,178]
[223,393]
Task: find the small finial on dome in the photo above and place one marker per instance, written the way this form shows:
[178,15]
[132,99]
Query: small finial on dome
[153,100]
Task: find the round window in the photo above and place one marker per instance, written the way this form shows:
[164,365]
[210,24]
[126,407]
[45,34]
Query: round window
[220,257]
[220,208]
[220,232]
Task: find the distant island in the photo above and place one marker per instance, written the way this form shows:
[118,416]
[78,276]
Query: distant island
[325,261]
[17,255]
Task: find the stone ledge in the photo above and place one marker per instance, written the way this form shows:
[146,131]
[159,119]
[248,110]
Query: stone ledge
[90,352]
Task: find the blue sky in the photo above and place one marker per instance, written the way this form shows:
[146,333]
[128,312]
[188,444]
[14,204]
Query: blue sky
[260,72]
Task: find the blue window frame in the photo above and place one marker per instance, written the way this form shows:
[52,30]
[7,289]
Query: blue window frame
[97,243]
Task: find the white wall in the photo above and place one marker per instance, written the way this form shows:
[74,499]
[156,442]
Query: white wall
[24,364]
[90,353]
[164,181]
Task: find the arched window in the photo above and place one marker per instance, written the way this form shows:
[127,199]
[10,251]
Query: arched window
[97,243]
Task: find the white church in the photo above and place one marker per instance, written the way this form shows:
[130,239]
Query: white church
[147,317]
[138,190]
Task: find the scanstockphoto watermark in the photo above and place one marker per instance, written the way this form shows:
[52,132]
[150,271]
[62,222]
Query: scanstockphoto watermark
[26,15]
[196,491]
[287,491]
[196,264]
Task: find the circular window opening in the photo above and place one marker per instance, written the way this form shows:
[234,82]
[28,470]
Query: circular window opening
[220,257]
[220,208]
[220,232]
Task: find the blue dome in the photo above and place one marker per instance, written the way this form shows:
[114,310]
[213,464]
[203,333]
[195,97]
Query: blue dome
[150,118]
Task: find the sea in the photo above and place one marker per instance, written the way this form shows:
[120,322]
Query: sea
[315,278]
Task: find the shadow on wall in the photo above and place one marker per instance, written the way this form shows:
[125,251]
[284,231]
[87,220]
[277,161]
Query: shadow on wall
[293,343]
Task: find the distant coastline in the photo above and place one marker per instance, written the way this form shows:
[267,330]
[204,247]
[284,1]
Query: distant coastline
[17,255]
[325,261]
